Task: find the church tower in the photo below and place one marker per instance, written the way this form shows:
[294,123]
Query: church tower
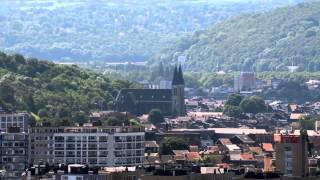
[178,104]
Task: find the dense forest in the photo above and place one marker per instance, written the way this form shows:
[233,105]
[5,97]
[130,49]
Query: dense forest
[54,92]
[268,41]
[109,30]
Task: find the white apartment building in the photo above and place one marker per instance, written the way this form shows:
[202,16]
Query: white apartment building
[100,146]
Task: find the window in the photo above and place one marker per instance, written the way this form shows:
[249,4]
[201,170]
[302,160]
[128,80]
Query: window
[59,138]
[67,177]
[92,138]
[103,138]
[70,138]
[70,146]
[92,146]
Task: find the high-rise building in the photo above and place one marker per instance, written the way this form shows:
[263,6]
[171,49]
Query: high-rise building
[95,146]
[13,143]
[245,81]
[41,144]
[292,155]
[13,152]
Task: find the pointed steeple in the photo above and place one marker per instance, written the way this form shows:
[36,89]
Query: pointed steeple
[175,76]
[180,75]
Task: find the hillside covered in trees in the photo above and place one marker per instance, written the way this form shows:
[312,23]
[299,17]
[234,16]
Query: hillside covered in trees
[267,41]
[109,29]
[53,92]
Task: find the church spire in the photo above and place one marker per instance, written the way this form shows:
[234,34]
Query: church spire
[175,76]
[180,75]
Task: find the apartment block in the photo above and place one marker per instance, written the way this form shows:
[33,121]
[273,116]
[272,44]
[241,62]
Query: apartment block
[292,155]
[14,152]
[41,144]
[95,146]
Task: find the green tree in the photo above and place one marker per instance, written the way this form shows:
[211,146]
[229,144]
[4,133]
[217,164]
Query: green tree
[232,111]
[293,91]
[234,100]
[113,121]
[80,117]
[218,109]
[307,123]
[155,116]
[43,113]
[253,104]
[7,92]
[171,144]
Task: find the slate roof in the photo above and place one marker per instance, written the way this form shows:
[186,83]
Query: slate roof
[144,95]
[244,139]
[177,76]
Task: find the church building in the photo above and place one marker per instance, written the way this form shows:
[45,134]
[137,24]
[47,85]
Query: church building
[171,102]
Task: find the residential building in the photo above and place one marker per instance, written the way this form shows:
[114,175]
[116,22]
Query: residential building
[292,155]
[41,144]
[100,146]
[151,147]
[14,152]
[13,120]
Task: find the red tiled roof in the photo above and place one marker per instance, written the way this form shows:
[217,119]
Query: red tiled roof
[224,165]
[179,157]
[192,156]
[180,152]
[256,150]
[267,147]
[224,141]
[246,156]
